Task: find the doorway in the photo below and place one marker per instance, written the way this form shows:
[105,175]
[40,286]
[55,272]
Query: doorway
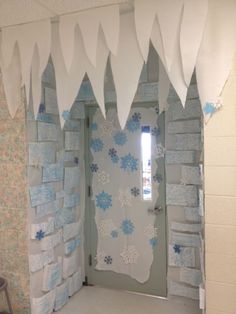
[125,204]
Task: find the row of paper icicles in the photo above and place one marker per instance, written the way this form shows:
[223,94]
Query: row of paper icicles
[187,35]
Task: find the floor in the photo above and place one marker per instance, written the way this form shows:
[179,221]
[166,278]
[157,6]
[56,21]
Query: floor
[96,300]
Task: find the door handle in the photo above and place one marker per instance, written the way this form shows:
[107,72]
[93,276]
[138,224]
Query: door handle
[156,210]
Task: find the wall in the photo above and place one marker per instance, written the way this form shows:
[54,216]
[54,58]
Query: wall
[55,209]
[13,207]
[220,204]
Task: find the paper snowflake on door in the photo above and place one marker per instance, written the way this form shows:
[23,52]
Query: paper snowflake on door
[125,198]
[129,163]
[106,227]
[150,231]
[103,177]
[129,255]
[103,200]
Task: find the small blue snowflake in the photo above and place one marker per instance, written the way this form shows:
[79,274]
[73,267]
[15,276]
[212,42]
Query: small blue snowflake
[133,125]
[120,138]
[135,191]
[155,131]
[158,178]
[76,160]
[94,126]
[136,116]
[103,200]
[112,152]
[115,159]
[127,226]
[129,163]
[66,115]
[40,235]
[42,108]
[209,109]
[177,248]
[94,167]
[108,260]
[114,234]
[153,242]
[96,145]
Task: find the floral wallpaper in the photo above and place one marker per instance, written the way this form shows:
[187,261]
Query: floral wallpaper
[126,230]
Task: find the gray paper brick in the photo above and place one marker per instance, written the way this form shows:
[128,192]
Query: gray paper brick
[191,126]
[180,157]
[47,132]
[192,214]
[192,110]
[188,142]
[41,153]
[177,194]
[190,175]
[72,141]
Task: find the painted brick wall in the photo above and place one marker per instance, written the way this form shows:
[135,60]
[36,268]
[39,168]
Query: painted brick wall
[220,204]
[13,207]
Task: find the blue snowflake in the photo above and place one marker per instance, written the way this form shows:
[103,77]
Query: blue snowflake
[114,234]
[120,138]
[177,248]
[115,159]
[209,109]
[103,200]
[40,235]
[155,131]
[129,163]
[112,152]
[66,115]
[42,108]
[135,191]
[108,260]
[76,160]
[94,167]
[127,226]
[157,177]
[133,125]
[96,145]
[94,126]
[136,116]
[153,242]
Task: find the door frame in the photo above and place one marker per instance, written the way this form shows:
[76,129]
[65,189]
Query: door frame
[89,214]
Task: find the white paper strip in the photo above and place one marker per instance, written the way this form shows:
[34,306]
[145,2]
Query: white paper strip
[191,276]
[44,304]
[70,265]
[62,296]
[71,230]
[75,282]
[202,297]
[51,241]
[185,239]
[126,67]
[179,289]
[52,276]
[183,227]
[38,261]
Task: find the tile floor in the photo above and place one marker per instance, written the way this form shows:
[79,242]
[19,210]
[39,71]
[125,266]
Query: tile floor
[96,300]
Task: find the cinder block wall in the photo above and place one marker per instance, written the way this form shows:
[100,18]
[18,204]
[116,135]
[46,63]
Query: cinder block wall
[13,207]
[220,204]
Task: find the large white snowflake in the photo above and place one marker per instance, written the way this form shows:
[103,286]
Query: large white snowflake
[103,177]
[159,151]
[105,227]
[107,127]
[150,231]
[130,255]
[125,198]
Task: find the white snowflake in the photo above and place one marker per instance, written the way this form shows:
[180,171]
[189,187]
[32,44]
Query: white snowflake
[150,231]
[125,198]
[103,177]
[130,255]
[107,127]
[100,257]
[105,227]
[160,151]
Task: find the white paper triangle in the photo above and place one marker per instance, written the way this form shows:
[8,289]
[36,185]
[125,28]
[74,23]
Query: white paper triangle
[126,67]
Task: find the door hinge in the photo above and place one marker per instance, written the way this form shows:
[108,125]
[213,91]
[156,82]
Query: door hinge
[89,190]
[90,260]
[87,122]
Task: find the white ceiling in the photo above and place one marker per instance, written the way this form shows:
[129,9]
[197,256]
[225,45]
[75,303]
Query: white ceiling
[13,12]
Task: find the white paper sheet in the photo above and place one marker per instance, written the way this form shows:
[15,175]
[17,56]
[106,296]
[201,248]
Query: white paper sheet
[191,276]
[75,282]
[126,67]
[70,265]
[51,241]
[45,227]
[71,230]
[184,227]
[180,256]
[176,288]
[38,261]
[62,296]
[52,276]
[44,304]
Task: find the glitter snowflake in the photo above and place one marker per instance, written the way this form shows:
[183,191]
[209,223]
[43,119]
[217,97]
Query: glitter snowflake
[108,260]
[160,151]
[129,163]
[96,145]
[103,177]
[135,191]
[114,234]
[107,128]
[153,242]
[155,132]
[94,167]
[66,115]
[132,125]
[177,248]
[103,200]
[124,198]
[112,152]
[127,226]
[150,231]
[137,116]
[129,255]
[40,235]
[105,227]
[120,138]
[209,108]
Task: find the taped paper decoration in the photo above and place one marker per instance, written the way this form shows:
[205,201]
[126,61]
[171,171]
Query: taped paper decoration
[52,276]
[126,67]
[38,261]
[44,304]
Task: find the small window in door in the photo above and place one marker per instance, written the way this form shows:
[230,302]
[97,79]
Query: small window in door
[146,148]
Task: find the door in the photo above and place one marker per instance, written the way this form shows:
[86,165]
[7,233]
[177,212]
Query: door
[125,207]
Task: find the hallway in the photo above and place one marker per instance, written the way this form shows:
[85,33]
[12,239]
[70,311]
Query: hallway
[96,300]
